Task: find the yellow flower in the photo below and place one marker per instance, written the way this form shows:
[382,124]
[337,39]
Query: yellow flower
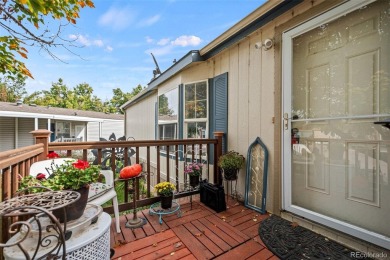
[164,188]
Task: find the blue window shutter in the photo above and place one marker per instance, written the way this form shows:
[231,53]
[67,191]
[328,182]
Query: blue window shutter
[219,107]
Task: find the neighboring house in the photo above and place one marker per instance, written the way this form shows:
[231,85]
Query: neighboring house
[318,67]
[18,120]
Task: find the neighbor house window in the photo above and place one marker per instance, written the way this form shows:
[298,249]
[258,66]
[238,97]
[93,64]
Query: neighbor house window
[195,110]
[168,115]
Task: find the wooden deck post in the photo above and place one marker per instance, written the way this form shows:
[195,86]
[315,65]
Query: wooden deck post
[41,136]
[217,154]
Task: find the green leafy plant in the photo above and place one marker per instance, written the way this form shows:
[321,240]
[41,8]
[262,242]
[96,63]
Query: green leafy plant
[71,175]
[164,188]
[231,161]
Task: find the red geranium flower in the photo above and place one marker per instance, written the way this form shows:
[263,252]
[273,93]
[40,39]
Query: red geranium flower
[53,155]
[41,176]
[82,165]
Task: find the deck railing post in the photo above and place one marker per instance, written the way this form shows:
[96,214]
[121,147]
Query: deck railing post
[41,136]
[218,153]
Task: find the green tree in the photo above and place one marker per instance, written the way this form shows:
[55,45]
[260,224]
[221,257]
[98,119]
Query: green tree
[59,95]
[80,97]
[22,21]
[120,97]
[12,90]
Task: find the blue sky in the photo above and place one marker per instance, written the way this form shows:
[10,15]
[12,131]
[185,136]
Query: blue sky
[118,36]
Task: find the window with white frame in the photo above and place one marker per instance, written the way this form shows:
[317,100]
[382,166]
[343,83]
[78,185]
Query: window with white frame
[196,110]
[168,115]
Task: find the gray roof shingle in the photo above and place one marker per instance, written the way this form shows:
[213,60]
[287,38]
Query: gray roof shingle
[25,108]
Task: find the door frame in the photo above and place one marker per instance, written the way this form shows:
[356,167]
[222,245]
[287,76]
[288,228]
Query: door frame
[287,205]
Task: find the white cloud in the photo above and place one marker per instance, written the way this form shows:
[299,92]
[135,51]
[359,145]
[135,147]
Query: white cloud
[117,18]
[149,39]
[167,46]
[160,51]
[109,49]
[86,41]
[149,21]
[187,40]
[163,41]
[98,43]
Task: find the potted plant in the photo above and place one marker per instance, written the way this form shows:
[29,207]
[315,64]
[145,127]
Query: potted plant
[165,191]
[71,175]
[231,163]
[194,170]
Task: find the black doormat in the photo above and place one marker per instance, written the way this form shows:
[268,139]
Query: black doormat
[290,241]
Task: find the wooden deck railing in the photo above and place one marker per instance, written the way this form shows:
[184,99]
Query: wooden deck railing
[152,154]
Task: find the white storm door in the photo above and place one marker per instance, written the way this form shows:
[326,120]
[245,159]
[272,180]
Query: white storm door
[80,132]
[335,86]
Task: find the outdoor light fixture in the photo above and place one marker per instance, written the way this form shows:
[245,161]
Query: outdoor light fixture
[266,45]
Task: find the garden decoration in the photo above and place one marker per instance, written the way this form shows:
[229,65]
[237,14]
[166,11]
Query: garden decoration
[130,171]
[256,176]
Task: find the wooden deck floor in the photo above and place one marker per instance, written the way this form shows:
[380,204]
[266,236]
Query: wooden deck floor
[200,233]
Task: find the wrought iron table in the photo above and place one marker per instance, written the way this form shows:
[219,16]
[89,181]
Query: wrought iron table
[48,242]
[89,244]
[155,209]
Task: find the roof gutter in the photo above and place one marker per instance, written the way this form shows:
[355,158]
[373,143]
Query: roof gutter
[251,27]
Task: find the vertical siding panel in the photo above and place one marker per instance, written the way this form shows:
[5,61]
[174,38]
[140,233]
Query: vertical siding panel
[224,62]
[243,95]
[255,89]
[233,99]
[266,114]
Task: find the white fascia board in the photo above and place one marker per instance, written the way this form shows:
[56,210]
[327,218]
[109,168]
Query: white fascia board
[51,116]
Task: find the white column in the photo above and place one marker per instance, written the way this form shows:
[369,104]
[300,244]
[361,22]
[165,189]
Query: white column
[49,124]
[36,123]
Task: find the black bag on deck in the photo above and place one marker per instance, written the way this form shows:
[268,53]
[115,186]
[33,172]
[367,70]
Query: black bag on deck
[213,196]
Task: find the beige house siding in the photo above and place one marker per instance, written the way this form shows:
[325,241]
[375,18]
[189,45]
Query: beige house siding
[255,98]
[140,119]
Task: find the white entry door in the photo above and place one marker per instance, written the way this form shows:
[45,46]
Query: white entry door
[336,84]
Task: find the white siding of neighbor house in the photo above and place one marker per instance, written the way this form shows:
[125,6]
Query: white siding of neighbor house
[25,126]
[93,131]
[7,133]
[109,127]
[140,123]
[140,119]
